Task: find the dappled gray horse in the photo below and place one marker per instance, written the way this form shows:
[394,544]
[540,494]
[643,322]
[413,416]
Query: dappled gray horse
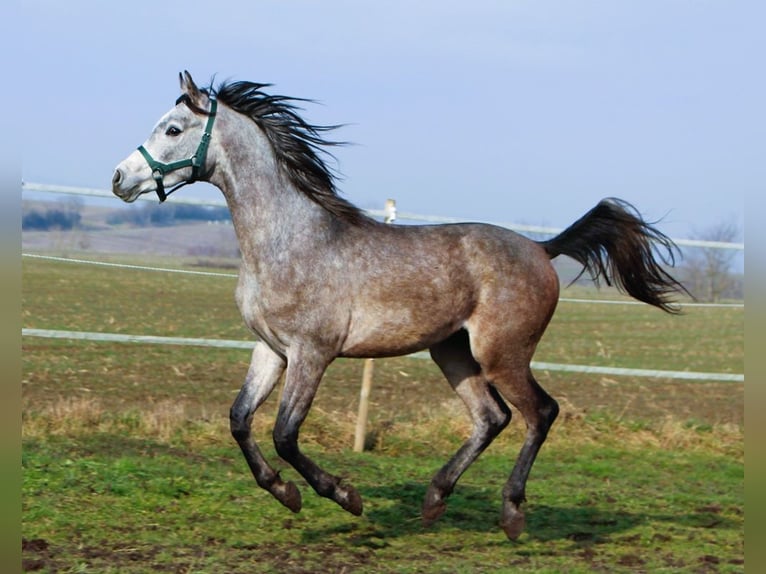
[321,280]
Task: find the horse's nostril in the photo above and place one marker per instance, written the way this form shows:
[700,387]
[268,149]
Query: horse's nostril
[117,178]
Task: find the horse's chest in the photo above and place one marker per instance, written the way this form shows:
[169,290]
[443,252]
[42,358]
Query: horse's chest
[273,314]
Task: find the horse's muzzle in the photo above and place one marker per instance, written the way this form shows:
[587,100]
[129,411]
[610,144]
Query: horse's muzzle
[117,189]
[121,188]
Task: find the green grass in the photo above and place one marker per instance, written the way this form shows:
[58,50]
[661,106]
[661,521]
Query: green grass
[639,336]
[59,295]
[106,502]
[128,465]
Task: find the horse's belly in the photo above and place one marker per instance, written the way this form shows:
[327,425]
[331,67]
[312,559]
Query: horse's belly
[397,333]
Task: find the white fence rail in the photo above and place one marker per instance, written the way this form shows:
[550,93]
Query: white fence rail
[520,228]
[235,344]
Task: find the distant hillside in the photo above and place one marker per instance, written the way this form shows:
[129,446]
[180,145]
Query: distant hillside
[132,230]
[72,213]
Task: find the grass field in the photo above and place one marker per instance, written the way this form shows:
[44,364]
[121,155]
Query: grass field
[128,465]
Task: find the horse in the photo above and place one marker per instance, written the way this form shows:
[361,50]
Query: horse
[319,279]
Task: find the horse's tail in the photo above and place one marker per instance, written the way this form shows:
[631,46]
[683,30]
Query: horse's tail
[613,242]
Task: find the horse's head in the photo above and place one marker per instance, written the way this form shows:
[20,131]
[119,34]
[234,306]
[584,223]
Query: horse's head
[176,151]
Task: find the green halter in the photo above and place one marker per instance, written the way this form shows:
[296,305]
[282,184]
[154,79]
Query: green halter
[196,162]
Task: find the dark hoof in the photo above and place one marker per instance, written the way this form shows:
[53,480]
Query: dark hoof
[349,499]
[433,507]
[288,494]
[432,513]
[513,521]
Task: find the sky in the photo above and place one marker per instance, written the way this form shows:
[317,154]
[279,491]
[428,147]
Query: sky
[504,111]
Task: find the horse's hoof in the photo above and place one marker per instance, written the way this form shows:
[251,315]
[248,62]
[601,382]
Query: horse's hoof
[433,512]
[288,494]
[433,507]
[513,521]
[349,499]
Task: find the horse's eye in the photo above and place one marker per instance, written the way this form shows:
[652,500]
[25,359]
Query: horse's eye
[173,131]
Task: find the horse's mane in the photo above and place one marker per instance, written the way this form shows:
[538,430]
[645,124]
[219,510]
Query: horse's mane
[298,145]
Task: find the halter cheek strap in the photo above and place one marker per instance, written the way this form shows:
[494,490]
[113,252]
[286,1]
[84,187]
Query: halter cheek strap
[196,162]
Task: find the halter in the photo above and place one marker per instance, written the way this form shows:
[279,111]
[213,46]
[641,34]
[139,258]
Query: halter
[196,162]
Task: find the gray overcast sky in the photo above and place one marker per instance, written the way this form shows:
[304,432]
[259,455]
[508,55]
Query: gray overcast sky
[508,111]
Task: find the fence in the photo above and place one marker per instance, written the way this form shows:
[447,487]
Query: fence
[236,344]
[389,214]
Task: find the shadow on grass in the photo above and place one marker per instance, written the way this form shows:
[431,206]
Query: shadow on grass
[394,512]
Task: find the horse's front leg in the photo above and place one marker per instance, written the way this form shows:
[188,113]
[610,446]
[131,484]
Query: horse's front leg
[304,372]
[265,369]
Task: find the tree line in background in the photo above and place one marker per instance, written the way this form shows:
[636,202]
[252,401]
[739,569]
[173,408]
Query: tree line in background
[168,214]
[707,273]
[66,215]
[59,217]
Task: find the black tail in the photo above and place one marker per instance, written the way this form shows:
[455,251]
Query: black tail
[613,242]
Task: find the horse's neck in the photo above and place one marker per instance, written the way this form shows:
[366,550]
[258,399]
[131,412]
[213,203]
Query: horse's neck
[272,220]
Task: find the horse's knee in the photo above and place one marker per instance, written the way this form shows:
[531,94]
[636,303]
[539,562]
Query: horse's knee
[239,423]
[553,410]
[285,441]
[492,424]
[499,416]
[548,414]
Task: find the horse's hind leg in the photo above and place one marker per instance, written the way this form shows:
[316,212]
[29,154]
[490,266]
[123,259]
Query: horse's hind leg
[539,411]
[489,414]
[265,369]
[304,372]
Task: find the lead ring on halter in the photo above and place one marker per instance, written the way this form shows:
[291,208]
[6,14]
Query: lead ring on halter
[196,162]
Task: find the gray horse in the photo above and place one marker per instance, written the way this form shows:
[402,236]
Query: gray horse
[321,280]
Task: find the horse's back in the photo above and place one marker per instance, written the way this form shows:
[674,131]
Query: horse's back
[493,260]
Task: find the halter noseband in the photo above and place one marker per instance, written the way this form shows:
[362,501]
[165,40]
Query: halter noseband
[196,162]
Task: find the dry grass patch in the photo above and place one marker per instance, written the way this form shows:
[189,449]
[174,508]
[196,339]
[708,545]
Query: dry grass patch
[436,430]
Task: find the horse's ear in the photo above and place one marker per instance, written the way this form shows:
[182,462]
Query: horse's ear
[189,88]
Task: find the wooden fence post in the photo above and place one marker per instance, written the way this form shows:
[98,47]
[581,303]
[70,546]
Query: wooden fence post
[364,395]
[364,406]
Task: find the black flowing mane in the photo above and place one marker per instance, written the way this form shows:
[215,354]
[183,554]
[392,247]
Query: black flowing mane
[297,144]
